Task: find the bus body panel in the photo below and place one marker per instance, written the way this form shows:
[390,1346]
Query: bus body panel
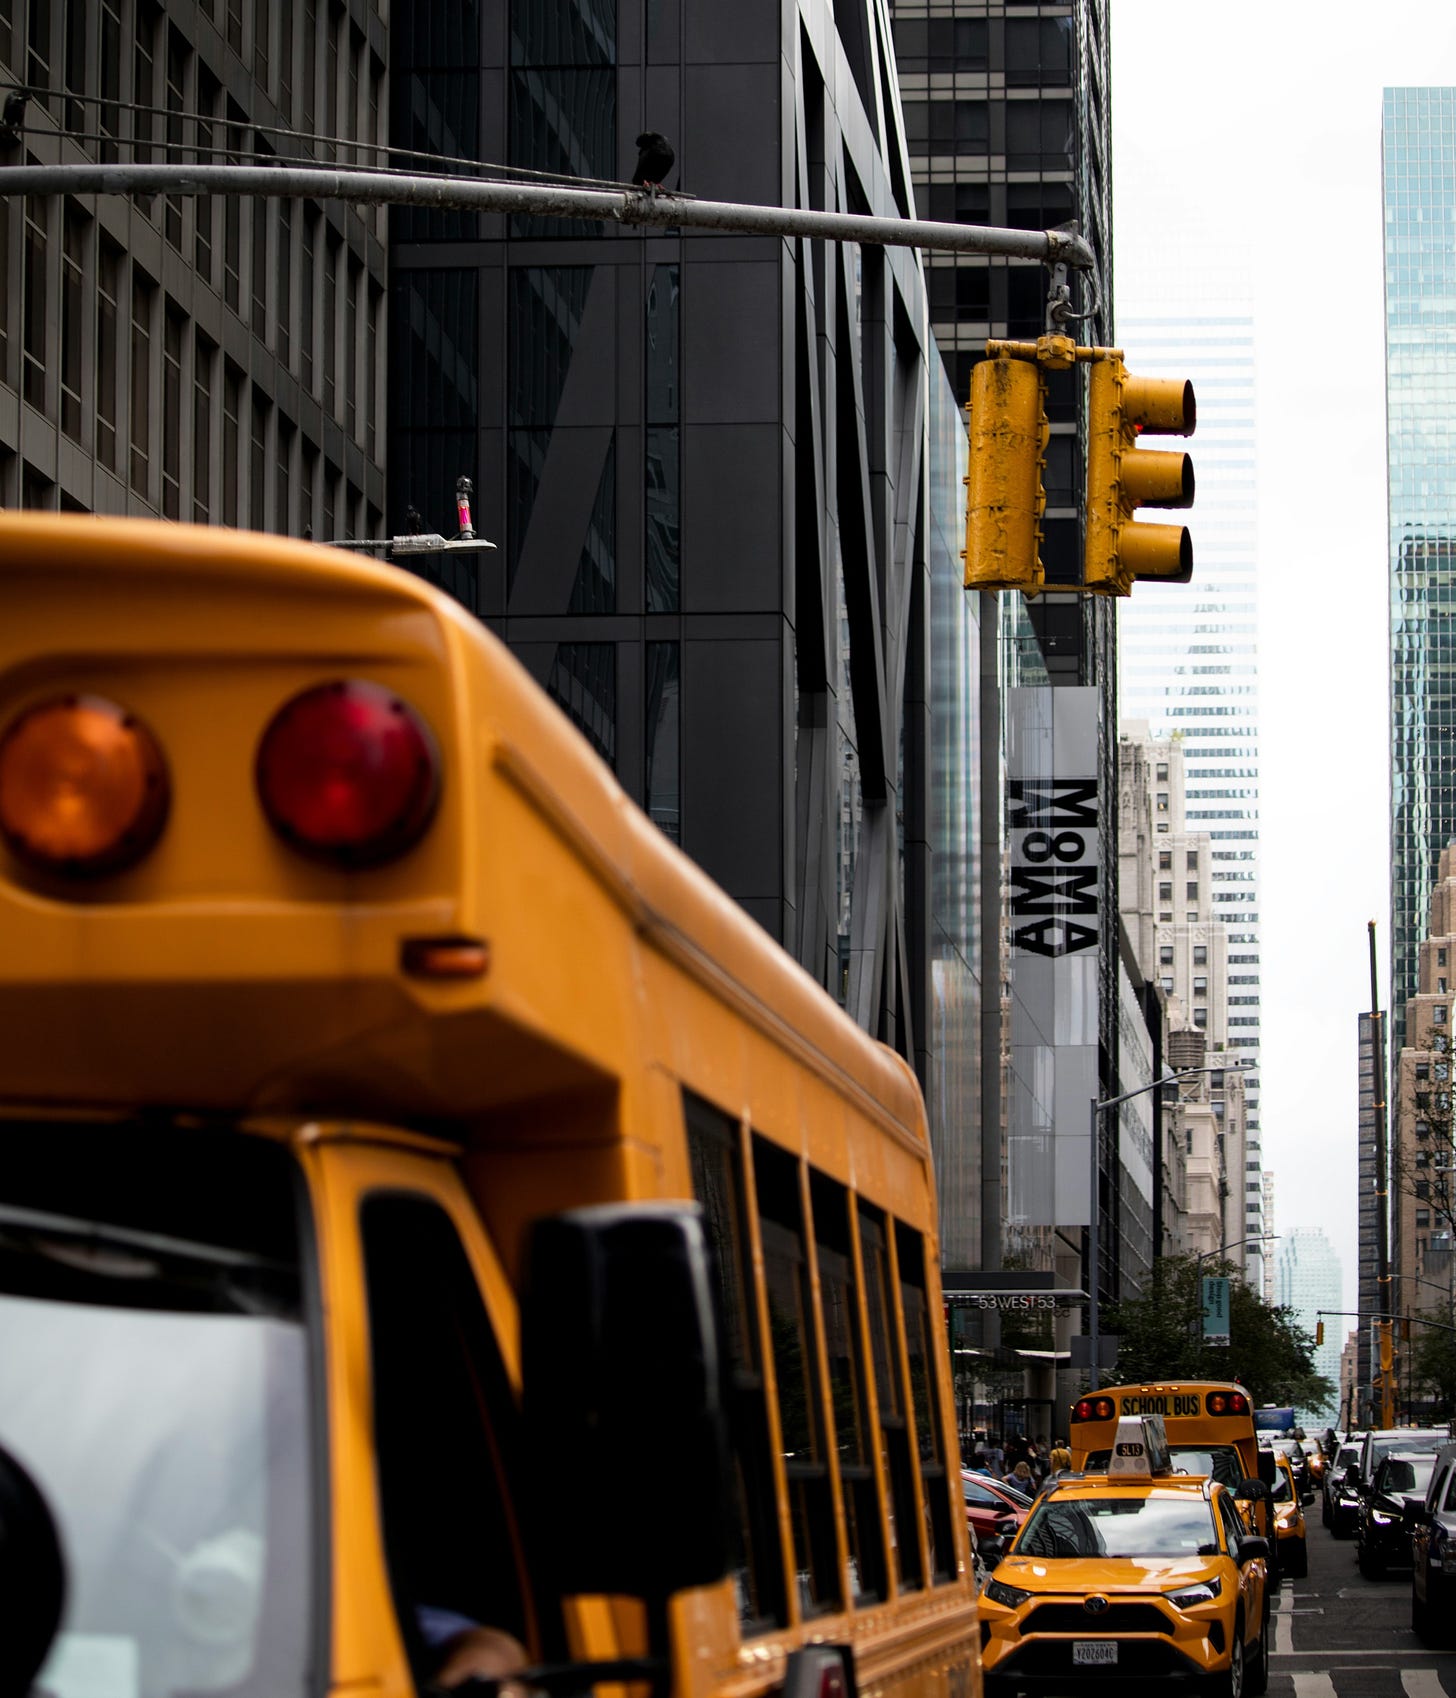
[225,977]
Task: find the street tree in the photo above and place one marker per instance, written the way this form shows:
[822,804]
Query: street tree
[1161,1337]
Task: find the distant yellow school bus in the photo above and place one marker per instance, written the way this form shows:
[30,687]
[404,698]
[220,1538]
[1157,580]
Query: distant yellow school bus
[428,1205]
[1209,1423]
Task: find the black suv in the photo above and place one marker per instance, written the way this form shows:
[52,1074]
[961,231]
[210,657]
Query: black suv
[1433,1552]
[1341,1510]
[1388,1510]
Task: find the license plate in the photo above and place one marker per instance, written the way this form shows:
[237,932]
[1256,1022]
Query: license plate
[1099,1652]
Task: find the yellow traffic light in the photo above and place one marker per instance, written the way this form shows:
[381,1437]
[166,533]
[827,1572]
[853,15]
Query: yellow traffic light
[1004,495]
[1121,477]
[1319,1334]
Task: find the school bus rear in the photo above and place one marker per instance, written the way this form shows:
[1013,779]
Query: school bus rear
[333,963]
[1210,1426]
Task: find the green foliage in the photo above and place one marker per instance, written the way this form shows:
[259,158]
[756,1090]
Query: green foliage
[1161,1334]
[1431,1358]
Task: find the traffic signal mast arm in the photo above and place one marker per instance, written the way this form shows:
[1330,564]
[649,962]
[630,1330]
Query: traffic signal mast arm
[1006,498]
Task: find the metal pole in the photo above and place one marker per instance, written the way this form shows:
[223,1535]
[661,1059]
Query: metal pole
[618,206]
[1094,1317]
[1382,1199]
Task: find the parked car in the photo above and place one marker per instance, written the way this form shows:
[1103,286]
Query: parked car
[1387,1510]
[993,1511]
[1341,1509]
[1433,1552]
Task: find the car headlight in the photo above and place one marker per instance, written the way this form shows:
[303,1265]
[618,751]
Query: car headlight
[1000,1593]
[1381,1519]
[1191,1596]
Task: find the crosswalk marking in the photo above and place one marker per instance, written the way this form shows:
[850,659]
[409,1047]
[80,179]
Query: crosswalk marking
[1422,1683]
[1313,1683]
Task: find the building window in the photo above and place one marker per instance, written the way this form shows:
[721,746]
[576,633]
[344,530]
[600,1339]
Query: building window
[1167,985]
[1192,860]
[1161,772]
[1200,1016]
[204,359]
[1165,892]
[172,330]
[37,233]
[1192,891]
[258,462]
[1165,954]
[664,786]
[1438,1013]
[1440,957]
[1200,987]
[1423,1218]
[72,308]
[1165,860]
[143,293]
[108,349]
[1163,827]
[1162,804]
[1200,954]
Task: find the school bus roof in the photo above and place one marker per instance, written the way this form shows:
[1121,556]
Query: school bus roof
[226,972]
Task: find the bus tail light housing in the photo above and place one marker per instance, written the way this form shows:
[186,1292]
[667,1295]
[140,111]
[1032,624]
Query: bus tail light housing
[349,774]
[1227,1403]
[1094,1409]
[84,789]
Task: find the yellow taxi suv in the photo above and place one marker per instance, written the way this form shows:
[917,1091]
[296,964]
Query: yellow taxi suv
[1292,1554]
[1138,1575]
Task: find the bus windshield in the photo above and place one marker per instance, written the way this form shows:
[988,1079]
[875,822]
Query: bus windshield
[155,1384]
[1119,1527]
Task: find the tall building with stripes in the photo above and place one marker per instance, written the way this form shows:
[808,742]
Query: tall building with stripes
[1418,170]
[1188,654]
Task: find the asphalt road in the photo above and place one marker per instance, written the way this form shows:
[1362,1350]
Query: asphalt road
[1339,1635]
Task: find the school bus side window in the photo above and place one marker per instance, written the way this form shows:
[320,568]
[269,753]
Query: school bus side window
[715,1150]
[796,1371]
[925,1395]
[444,1429]
[894,1434]
[849,1414]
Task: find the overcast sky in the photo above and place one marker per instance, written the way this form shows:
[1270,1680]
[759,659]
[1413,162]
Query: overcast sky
[1264,119]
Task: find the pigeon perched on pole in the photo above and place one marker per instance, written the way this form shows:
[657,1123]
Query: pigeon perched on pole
[654,159]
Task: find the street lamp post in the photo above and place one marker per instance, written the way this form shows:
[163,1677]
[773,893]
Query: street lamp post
[1094,1282]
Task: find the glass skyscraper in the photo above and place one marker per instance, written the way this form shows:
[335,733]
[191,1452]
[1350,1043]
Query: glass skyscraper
[1418,142]
[1312,1278]
[1189,653]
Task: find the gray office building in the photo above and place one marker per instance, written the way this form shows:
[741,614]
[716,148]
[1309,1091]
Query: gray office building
[218,361]
[1418,142]
[724,473]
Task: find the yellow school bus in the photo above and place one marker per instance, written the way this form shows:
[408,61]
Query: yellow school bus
[1209,1423]
[430,1211]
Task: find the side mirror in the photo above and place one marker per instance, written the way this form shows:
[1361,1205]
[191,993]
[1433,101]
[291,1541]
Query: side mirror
[624,1384]
[32,1578]
[1251,1490]
[1256,1545]
[1006,1528]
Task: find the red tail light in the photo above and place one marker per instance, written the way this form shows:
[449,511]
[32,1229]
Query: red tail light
[1094,1409]
[83,787]
[348,773]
